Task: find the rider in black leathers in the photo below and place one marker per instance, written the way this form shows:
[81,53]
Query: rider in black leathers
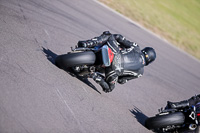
[128,62]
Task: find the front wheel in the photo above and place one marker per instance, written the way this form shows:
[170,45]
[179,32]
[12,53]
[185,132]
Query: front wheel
[161,121]
[75,59]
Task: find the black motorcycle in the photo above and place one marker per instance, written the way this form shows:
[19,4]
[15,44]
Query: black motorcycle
[175,120]
[85,61]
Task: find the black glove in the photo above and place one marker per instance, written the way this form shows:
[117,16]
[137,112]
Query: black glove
[106,33]
[82,44]
[176,105]
[87,44]
[196,97]
[194,100]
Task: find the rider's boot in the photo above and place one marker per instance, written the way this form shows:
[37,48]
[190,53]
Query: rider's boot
[176,105]
[99,80]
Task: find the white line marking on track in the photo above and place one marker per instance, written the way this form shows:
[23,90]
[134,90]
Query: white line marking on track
[65,102]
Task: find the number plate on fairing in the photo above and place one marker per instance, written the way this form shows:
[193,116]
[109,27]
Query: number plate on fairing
[107,55]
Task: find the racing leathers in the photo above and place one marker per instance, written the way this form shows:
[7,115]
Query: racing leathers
[127,64]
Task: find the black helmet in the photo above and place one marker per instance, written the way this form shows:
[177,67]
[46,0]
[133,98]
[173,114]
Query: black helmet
[149,54]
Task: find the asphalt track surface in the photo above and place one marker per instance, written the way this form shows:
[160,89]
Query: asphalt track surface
[38,97]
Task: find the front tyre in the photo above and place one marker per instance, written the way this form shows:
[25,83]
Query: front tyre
[75,59]
[161,121]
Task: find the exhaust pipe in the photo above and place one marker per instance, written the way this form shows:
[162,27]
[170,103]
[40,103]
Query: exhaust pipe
[192,126]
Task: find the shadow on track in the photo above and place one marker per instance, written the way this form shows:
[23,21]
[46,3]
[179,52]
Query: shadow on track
[51,56]
[141,118]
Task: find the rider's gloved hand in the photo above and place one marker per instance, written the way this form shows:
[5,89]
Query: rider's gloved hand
[87,44]
[82,44]
[196,97]
[176,105]
[106,33]
[170,105]
[194,100]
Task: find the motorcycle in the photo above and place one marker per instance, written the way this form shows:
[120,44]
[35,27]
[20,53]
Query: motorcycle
[175,120]
[85,61]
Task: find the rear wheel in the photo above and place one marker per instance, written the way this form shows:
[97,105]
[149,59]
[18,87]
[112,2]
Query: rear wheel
[160,121]
[75,59]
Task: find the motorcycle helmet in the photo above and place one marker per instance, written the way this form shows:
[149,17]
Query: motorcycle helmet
[149,55]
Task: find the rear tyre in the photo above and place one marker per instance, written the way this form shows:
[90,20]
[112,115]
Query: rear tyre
[75,59]
[160,121]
